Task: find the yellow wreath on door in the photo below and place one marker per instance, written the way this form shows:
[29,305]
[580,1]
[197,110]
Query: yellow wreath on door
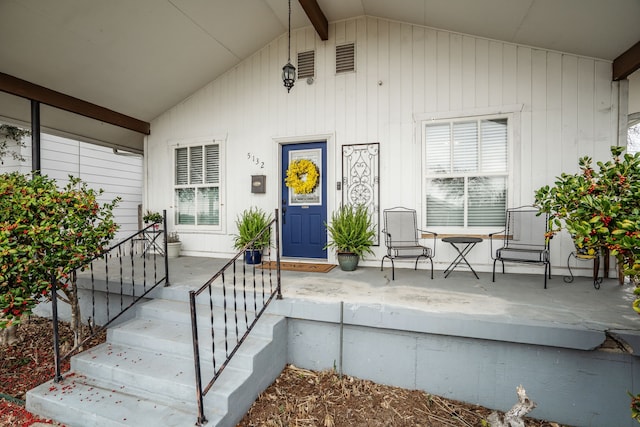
[302,176]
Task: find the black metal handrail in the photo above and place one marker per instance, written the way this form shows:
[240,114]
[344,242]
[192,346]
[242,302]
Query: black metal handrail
[130,256]
[262,295]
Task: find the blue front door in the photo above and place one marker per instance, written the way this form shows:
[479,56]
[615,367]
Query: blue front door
[304,214]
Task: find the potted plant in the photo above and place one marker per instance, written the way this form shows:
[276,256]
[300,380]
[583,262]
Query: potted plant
[351,234]
[152,218]
[600,208]
[250,223]
[173,245]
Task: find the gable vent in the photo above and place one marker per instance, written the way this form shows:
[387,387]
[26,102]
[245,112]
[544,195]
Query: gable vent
[306,64]
[345,58]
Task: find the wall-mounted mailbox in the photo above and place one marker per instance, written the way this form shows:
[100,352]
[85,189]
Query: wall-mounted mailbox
[258,183]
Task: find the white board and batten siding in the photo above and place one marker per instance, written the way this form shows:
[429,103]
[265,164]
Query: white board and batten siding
[564,106]
[118,175]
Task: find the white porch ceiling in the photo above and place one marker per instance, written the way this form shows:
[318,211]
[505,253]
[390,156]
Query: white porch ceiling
[142,57]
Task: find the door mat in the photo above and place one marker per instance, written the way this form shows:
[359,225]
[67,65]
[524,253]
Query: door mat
[299,266]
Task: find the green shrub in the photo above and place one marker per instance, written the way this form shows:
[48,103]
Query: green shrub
[250,223]
[47,231]
[351,230]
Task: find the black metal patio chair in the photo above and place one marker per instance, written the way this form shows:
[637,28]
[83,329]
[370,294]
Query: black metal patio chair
[402,238]
[523,240]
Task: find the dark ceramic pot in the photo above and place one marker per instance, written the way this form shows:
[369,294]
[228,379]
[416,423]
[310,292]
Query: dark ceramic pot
[253,256]
[348,261]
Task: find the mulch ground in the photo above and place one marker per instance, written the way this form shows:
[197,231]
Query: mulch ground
[304,398]
[27,364]
[298,397]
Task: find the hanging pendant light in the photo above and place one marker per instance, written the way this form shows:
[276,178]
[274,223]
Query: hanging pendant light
[289,71]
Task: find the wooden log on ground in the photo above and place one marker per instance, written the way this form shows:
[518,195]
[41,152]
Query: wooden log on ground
[513,417]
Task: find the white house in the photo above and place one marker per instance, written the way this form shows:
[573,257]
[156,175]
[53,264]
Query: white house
[378,88]
[394,93]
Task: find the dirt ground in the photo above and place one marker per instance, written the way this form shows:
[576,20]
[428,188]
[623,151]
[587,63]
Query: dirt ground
[298,397]
[301,398]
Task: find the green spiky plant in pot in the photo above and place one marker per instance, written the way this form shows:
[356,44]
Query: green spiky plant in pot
[351,235]
[250,223]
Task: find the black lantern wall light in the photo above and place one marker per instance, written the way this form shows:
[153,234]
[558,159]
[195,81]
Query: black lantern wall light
[289,71]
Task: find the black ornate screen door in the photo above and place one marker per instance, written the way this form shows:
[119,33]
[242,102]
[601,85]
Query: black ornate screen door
[361,179]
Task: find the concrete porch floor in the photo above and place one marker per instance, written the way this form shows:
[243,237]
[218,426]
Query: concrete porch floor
[513,298]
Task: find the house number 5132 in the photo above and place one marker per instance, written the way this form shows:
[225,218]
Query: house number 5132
[256,160]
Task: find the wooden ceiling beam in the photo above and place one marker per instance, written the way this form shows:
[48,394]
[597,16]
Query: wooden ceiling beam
[627,63]
[34,92]
[317,18]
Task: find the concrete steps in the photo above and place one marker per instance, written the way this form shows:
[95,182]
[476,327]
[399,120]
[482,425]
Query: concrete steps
[144,374]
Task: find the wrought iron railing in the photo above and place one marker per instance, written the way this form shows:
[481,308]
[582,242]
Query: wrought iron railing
[113,282]
[244,292]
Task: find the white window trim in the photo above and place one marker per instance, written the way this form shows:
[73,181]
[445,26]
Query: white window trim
[194,142]
[512,114]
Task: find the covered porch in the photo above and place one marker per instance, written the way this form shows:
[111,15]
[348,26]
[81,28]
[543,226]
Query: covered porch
[571,346]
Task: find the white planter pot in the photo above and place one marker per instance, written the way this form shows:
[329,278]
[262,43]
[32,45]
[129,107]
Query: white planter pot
[173,249]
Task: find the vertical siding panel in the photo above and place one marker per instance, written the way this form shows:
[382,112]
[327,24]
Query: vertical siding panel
[509,74]
[265,84]
[482,73]
[468,73]
[308,91]
[554,114]
[522,151]
[340,95]
[417,71]
[455,72]
[339,91]
[495,73]
[350,90]
[287,107]
[386,145]
[329,92]
[418,100]
[442,73]
[586,139]
[569,135]
[604,105]
[430,70]
[395,108]
[326,81]
[539,123]
[406,75]
[315,89]
[248,90]
[361,100]
[298,94]
[372,80]
[395,80]
[264,87]
[408,143]
[273,83]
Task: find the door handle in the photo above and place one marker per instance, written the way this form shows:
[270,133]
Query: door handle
[284,211]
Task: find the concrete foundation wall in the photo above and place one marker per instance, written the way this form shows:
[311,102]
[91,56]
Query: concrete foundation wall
[571,386]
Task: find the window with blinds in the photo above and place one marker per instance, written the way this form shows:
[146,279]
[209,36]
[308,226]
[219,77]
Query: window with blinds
[197,185]
[466,172]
